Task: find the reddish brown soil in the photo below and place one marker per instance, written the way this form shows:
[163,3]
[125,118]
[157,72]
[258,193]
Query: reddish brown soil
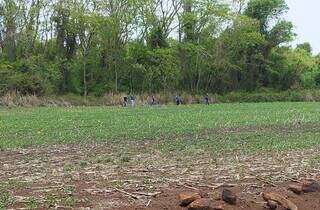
[249,201]
[99,177]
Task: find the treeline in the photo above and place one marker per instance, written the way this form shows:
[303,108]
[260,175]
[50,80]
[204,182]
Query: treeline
[91,47]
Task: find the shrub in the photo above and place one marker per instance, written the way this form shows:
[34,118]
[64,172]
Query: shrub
[317,79]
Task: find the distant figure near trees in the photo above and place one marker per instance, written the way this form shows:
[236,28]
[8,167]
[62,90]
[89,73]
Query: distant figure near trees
[125,101]
[206,99]
[133,100]
[153,100]
[178,100]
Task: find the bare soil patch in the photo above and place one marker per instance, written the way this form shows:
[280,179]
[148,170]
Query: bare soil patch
[102,176]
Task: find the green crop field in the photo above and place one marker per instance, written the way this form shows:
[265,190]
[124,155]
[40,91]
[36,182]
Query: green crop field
[221,127]
[54,151]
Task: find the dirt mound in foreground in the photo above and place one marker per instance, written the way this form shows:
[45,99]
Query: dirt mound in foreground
[248,200]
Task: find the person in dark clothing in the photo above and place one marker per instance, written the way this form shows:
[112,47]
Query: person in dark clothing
[133,100]
[206,99]
[153,100]
[125,101]
[178,100]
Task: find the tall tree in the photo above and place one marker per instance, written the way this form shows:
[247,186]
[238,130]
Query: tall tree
[10,13]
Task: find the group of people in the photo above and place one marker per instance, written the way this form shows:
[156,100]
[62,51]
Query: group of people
[132,100]
[178,100]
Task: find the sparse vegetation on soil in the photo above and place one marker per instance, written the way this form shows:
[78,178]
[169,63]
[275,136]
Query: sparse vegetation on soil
[133,158]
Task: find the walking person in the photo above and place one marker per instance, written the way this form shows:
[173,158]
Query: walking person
[125,101]
[153,100]
[206,99]
[178,100]
[133,100]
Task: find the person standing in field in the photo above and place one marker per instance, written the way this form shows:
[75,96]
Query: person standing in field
[125,101]
[133,100]
[153,100]
[206,99]
[178,100]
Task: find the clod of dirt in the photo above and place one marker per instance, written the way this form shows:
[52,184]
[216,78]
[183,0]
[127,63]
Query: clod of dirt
[186,198]
[272,204]
[216,195]
[6,166]
[297,189]
[204,204]
[310,186]
[229,197]
[280,200]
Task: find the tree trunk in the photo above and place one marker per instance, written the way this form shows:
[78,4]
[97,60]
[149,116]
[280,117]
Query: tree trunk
[116,81]
[85,85]
[9,41]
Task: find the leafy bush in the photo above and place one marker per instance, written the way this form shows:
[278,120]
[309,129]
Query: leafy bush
[317,79]
[29,76]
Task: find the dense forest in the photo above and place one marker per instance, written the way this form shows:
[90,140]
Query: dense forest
[91,47]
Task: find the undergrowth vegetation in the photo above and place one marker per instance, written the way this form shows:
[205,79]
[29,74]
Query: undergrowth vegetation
[14,99]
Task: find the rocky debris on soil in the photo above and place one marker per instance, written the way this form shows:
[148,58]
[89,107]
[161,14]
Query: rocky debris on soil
[216,195]
[287,204]
[204,204]
[229,197]
[186,198]
[272,204]
[297,189]
[310,186]
[307,186]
